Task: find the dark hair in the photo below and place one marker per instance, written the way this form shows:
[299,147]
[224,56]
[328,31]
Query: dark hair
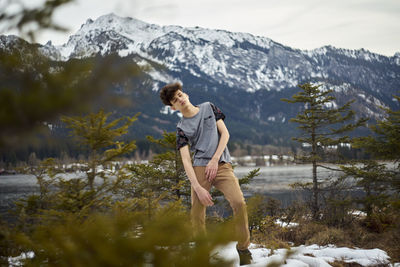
[168,92]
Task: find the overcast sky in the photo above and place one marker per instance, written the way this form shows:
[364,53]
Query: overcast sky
[305,24]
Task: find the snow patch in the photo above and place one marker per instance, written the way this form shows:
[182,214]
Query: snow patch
[17,261]
[65,51]
[159,76]
[331,104]
[312,255]
[285,224]
[167,110]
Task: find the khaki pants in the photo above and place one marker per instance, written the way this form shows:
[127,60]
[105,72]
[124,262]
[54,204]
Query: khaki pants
[228,184]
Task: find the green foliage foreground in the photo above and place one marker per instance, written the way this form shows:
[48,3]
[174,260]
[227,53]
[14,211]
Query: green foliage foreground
[123,238]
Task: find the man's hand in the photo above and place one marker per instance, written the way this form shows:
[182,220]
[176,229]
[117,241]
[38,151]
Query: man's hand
[204,196]
[211,169]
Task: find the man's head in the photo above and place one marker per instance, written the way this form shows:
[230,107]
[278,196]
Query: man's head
[172,95]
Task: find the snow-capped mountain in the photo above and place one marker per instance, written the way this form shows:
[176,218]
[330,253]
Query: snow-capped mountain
[238,60]
[245,74]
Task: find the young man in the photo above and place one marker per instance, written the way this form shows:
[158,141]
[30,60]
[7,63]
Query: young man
[202,128]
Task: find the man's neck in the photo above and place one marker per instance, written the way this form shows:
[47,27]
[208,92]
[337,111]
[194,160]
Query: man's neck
[189,111]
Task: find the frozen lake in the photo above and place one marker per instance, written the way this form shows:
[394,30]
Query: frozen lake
[277,178]
[273,181]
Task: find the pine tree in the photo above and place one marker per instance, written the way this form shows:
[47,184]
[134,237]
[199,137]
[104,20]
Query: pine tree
[61,194]
[161,180]
[381,182]
[171,163]
[323,125]
[385,143]
[374,179]
[101,138]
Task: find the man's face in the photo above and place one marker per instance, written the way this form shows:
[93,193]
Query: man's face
[180,100]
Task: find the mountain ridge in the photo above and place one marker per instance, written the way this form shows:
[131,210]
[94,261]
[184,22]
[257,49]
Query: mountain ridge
[246,75]
[218,54]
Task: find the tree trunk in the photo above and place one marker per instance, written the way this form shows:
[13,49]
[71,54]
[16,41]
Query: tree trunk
[314,205]
[92,174]
[315,191]
[367,203]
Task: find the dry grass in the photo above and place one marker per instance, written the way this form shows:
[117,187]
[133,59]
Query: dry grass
[269,234]
[344,264]
[330,236]
[354,264]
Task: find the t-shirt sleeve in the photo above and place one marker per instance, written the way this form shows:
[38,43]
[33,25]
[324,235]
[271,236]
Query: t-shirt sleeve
[181,139]
[217,112]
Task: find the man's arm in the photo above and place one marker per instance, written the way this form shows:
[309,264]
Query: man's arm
[212,166]
[203,195]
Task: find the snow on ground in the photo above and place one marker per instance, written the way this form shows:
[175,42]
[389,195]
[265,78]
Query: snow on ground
[17,261]
[285,224]
[307,256]
[303,256]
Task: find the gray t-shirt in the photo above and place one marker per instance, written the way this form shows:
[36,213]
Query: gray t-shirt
[201,134]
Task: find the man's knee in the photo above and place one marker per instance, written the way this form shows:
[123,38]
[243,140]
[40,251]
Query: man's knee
[238,205]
